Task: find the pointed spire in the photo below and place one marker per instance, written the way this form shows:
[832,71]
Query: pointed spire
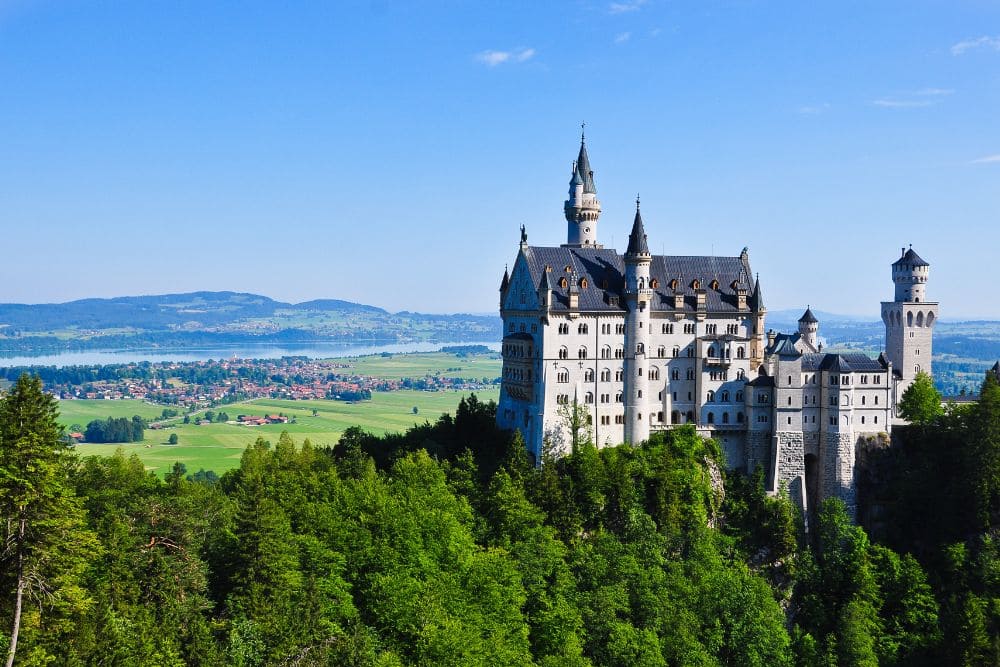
[506,280]
[544,283]
[637,239]
[808,317]
[583,169]
[757,296]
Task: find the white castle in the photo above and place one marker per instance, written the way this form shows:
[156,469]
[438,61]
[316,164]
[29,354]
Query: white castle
[641,342]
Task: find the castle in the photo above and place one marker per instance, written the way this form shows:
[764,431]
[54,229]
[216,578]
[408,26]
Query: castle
[635,343]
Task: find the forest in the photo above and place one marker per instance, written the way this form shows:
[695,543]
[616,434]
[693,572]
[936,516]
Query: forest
[443,545]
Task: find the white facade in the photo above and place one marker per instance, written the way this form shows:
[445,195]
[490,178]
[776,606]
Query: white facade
[640,343]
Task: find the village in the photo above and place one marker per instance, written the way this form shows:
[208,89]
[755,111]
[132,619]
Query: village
[204,384]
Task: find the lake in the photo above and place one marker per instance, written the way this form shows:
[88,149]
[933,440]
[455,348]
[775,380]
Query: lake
[316,350]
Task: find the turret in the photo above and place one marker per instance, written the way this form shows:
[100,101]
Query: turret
[909,320]
[910,274]
[582,209]
[759,313]
[545,291]
[808,328]
[638,298]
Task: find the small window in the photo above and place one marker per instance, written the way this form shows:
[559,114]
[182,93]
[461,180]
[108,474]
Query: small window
[654,283]
[563,283]
[714,284]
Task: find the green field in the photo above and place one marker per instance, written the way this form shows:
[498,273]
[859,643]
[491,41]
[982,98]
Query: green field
[218,447]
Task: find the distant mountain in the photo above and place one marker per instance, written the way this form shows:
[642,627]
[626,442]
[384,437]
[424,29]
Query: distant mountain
[205,318]
[792,315]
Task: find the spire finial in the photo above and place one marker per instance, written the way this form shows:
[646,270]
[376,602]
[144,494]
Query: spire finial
[637,201]
[583,130]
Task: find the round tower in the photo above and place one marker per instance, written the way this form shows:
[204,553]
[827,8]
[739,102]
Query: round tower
[638,299]
[582,209]
[808,328]
[910,274]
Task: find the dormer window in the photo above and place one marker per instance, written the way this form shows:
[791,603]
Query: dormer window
[583,283]
[568,269]
[696,284]
[563,283]
[674,284]
[654,283]
[714,284]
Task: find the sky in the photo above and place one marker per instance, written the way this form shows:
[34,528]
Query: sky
[388,152]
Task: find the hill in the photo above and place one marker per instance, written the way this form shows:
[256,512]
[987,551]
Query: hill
[220,318]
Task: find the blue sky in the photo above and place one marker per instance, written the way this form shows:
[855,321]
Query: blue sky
[387,152]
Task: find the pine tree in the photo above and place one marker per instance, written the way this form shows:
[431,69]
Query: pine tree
[44,542]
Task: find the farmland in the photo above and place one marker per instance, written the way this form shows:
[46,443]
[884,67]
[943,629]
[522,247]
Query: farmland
[218,447]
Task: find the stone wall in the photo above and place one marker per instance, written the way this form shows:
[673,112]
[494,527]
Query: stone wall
[837,469]
[791,467]
[758,450]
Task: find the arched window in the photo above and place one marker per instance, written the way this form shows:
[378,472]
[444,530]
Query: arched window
[563,283]
[563,352]
[696,284]
[690,374]
[675,374]
[582,352]
[739,397]
[654,283]
[714,284]
[725,397]
[741,352]
[588,398]
[640,348]
[674,284]
[711,396]
[725,417]
[606,352]
[661,351]
[677,351]
[909,318]
[675,417]
[711,350]
[711,418]
[740,374]
[583,283]
[690,416]
[582,328]
[740,417]
[654,373]
[588,375]
[930,319]
[920,318]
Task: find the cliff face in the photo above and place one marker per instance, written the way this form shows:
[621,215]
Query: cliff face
[876,464]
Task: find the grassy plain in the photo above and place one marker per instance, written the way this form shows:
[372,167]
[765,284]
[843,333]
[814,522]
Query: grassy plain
[218,447]
[415,365]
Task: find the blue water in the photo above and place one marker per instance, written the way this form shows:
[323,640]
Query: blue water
[310,350]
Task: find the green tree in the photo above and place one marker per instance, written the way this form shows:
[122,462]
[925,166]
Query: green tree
[172,439]
[43,541]
[921,402]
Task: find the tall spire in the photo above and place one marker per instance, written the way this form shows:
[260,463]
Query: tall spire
[582,209]
[758,298]
[583,167]
[637,239]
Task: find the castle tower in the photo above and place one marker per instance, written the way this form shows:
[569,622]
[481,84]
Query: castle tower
[808,328]
[638,300]
[759,312]
[909,320]
[582,208]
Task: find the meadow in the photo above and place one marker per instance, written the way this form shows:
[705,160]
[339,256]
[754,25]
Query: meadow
[218,447]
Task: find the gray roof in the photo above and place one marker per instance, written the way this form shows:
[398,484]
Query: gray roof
[505,282]
[844,362]
[911,258]
[780,341]
[604,270]
[808,316]
[637,239]
[584,170]
[785,347]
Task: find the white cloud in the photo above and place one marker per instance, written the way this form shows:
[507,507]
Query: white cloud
[987,159]
[894,103]
[984,42]
[626,6]
[622,37]
[924,97]
[813,109]
[492,58]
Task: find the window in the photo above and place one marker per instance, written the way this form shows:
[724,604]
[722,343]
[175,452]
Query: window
[618,398]
[619,353]
[739,397]
[582,328]
[677,351]
[725,417]
[581,353]
[563,352]
[584,283]
[661,352]
[588,398]
[675,374]
[789,400]
[710,418]
[741,352]
[640,348]
[619,328]
[563,328]
[606,375]
[862,419]
[619,375]
[654,284]
[689,328]
[711,328]
[862,400]
[711,396]
[690,374]
[562,399]
[667,328]
[588,375]
[876,400]
[606,352]
[562,376]
[740,417]
[563,283]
